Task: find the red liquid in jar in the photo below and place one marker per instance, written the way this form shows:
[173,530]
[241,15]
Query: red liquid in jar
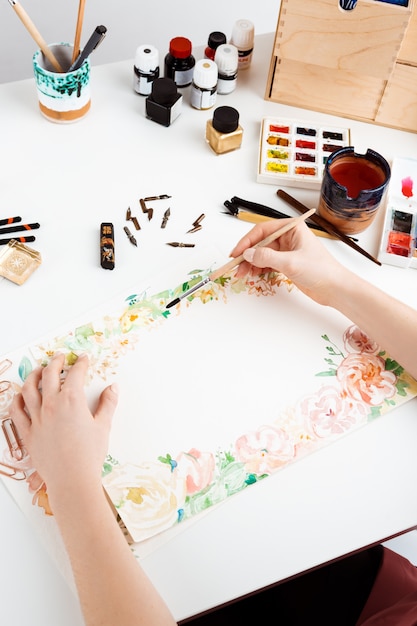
[356,175]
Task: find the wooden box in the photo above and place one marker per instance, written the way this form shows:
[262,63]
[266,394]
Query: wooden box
[360,64]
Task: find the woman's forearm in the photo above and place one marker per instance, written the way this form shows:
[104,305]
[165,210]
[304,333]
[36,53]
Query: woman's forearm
[389,322]
[112,587]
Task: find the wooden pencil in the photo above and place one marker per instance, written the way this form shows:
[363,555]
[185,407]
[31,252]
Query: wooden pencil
[31,28]
[78,30]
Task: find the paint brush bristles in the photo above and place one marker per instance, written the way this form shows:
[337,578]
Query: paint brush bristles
[230,265]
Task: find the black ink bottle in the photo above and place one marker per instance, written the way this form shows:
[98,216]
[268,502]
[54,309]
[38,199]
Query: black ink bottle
[145,69]
[215,39]
[164,103]
[179,62]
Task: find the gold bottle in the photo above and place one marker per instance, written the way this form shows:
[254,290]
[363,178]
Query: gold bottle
[223,132]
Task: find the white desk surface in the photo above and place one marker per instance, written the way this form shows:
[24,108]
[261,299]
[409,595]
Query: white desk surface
[355,492]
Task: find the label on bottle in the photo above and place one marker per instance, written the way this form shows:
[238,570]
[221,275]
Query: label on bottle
[226,83]
[142,82]
[244,58]
[202,98]
[182,78]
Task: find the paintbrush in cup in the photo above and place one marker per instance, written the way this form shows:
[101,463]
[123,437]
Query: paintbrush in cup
[230,265]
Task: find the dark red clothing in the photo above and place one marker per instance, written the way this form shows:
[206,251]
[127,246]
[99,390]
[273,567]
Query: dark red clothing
[393,598]
[374,587]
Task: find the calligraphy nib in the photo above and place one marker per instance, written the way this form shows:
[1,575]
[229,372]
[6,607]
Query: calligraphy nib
[178,244]
[130,236]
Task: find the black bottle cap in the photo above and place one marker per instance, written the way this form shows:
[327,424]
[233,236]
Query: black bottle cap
[216,39]
[164,90]
[225,119]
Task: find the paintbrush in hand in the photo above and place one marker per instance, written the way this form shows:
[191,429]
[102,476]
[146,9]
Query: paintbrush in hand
[230,265]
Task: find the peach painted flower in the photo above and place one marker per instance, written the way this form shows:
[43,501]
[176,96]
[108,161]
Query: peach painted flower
[197,468]
[207,294]
[42,500]
[330,412]
[140,317]
[267,284]
[260,287]
[364,377]
[356,340]
[264,450]
[148,496]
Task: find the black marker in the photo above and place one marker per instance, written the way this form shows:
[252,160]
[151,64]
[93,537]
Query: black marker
[95,39]
[21,239]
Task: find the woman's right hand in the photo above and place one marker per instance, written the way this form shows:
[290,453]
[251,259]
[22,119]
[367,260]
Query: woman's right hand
[298,254]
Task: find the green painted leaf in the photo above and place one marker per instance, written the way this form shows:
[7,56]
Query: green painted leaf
[328,373]
[25,368]
[84,331]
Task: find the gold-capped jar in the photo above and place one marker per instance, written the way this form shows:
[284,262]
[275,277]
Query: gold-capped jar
[223,132]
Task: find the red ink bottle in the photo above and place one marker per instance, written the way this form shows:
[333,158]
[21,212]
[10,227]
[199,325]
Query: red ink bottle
[179,62]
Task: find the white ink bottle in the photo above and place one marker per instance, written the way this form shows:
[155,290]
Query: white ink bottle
[204,85]
[145,69]
[243,37]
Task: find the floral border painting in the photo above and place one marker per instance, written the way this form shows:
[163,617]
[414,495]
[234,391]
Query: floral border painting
[170,462]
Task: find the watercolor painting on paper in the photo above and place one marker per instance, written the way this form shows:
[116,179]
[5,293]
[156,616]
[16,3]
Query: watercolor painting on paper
[237,381]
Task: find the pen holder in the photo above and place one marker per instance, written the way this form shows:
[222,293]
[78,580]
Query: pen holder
[63,97]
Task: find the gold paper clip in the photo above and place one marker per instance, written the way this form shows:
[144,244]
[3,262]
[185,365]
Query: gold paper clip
[12,439]
[12,472]
[15,449]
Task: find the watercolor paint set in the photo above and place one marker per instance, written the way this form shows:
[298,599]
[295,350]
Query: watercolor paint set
[293,153]
[399,236]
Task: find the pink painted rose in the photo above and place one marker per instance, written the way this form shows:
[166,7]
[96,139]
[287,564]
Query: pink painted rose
[356,340]
[264,450]
[364,377]
[330,412]
[197,468]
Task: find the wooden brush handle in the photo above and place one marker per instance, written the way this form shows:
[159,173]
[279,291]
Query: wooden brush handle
[227,267]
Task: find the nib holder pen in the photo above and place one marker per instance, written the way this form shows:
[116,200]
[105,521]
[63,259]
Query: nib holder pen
[164,103]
